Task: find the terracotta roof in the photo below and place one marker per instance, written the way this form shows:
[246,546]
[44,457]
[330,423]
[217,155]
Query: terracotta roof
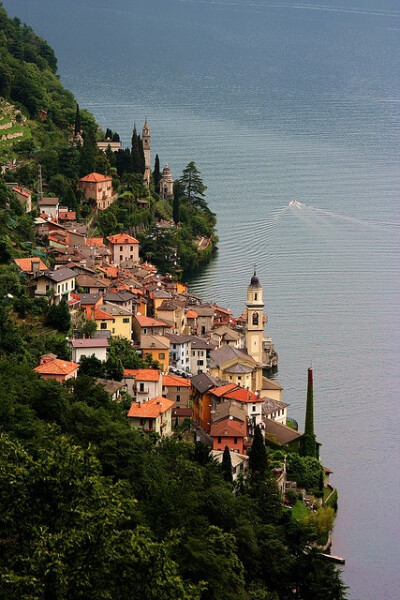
[223,389]
[48,201]
[21,191]
[56,367]
[95,178]
[143,374]
[69,215]
[101,315]
[122,238]
[110,271]
[25,264]
[151,409]
[228,427]
[94,241]
[242,395]
[149,322]
[174,381]
[191,314]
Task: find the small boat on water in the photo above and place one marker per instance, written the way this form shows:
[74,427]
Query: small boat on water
[294,203]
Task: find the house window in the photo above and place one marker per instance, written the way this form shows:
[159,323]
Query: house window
[141,387]
[255,296]
[125,320]
[235,440]
[121,257]
[161,355]
[200,362]
[103,325]
[254,407]
[120,248]
[131,257]
[219,440]
[178,389]
[144,330]
[131,249]
[178,398]
[113,330]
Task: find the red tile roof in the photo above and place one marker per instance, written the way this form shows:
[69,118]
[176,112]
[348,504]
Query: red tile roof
[150,322]
[228,427]
[191,314]
[151,409]
[223,389]
[143,374]
[56,367]
[122,238]
[175,381]
[95,178]
[25,264]
[101,315]
[94,241]
[242,395]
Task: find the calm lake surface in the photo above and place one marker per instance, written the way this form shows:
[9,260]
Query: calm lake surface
[276,100]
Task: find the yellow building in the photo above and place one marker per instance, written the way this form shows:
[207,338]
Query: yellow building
[115,319]
[158,348]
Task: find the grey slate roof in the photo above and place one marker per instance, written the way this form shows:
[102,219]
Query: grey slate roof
[271,405]
[60,274]
[224,354]
[281,433]
[203,382]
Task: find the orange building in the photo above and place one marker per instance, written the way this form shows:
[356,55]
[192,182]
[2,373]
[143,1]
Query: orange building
[51,367]
[99,188]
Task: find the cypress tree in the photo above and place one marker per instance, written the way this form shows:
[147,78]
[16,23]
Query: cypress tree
[77,125]
[136,153]
[308,445]
[175,207]
[227,465]
[258,460]
[156,174]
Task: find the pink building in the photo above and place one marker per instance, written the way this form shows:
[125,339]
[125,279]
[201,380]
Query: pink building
[51,367]
[123,247]
[99,187]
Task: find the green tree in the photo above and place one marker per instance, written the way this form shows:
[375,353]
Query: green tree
[88,328]
[193,184]
[77,124]
[176,202]
[227,465]
[91,366]
[114,368]
[59,316]
[258,460]
[308,443]
[156,174]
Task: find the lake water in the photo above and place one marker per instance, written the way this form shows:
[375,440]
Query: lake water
[274,101]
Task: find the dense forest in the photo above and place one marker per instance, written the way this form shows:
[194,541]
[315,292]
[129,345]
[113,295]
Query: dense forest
[90,508]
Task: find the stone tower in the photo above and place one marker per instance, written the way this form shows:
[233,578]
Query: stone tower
[255,325]
[146,151]
[166,184]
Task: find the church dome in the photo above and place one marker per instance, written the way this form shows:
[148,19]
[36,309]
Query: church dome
[255,282]
[166,174]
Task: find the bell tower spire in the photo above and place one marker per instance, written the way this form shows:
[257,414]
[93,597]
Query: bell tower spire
[255,323]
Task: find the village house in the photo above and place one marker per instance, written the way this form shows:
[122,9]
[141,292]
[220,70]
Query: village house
[222,316]
[201,397]
[123,247]
[121,325]
[200,352]
[154,416]
[173,312]
[142,325]
[143,384]
[124,299]
[31,267]
[239,462]
[157,346]
[205,317]
[103,320]
[229,428]
[281,434]
[56,284]
[275,410]
[48,207]
[225,336]
[51,367]
[113,388]
[177,389]
[89,303]
[180,350]
[83,348]
[251,402]
[65,215]
[99,188]
[24,196]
